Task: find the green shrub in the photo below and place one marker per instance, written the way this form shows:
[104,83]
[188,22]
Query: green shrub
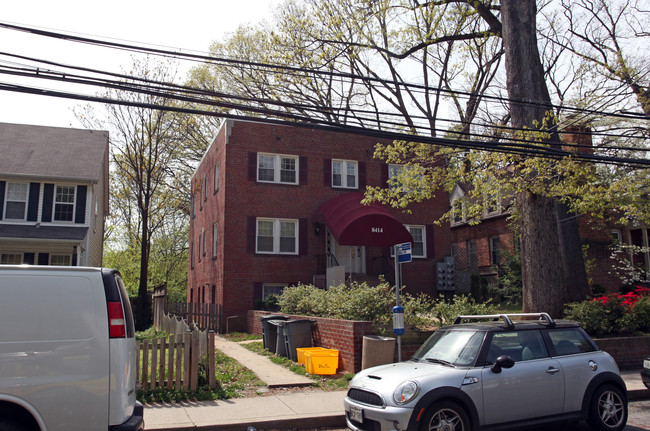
[613,314]
[446,312]
[150,334]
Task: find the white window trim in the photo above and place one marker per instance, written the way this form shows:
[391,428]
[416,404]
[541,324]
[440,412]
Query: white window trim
[74,204]
[271,285]
[276,236]
[60,255]
[344,174]
[8,200]
[20,260]
[277,164]
[424,240]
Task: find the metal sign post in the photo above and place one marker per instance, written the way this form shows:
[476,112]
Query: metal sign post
[402,255]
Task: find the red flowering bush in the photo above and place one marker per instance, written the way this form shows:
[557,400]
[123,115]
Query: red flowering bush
[613,314]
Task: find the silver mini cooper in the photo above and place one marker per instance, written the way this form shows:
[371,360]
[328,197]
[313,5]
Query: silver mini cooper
[493,372]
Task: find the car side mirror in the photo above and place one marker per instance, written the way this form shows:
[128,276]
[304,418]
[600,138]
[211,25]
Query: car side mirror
[503,361]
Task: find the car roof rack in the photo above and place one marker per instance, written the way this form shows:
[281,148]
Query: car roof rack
[507,318]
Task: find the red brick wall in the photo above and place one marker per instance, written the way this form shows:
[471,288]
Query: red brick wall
[629,352]
[346,336]
[237,273]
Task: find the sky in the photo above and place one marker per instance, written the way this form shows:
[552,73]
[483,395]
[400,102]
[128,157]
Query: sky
[187,25]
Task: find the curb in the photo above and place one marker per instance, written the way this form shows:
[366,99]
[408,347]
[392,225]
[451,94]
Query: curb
[316,422]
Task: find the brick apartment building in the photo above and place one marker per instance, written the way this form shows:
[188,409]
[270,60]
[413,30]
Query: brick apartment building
[273,206]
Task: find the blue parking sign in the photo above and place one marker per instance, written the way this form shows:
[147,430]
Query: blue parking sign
[403,252]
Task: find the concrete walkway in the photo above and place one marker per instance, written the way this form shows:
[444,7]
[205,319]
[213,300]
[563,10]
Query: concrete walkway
[273,375]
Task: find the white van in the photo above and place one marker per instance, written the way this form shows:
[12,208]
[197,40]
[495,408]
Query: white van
[67,350]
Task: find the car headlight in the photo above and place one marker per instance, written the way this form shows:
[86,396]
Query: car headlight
[406,392]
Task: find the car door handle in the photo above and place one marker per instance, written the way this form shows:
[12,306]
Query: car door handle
[553,370]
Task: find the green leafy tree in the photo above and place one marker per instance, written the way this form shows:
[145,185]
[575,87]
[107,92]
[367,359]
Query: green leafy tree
[150,161]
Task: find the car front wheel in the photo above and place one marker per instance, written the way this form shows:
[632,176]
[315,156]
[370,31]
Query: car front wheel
[447,416]
[608,409]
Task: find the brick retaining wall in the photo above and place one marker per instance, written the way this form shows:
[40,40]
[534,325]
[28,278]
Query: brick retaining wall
[346,336]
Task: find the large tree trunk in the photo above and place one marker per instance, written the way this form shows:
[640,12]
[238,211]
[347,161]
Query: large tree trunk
[551,255]
[143,319]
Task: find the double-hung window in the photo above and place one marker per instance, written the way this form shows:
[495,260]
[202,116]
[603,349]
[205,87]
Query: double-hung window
[269,289]
[60,260]
[345,174]
[11,259]
[275,168]
[216,177]
[495,250]
[277,236]
[419,241]
[16,201]
[64,203]
[215,233]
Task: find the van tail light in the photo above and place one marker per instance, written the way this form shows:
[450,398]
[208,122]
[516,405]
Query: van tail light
[116,321]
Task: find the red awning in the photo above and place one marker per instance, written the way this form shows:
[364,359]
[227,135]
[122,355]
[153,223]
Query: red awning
[352,223]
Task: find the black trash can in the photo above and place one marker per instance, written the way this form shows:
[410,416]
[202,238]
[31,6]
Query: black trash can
[297,334]
[281,348]
[269,332]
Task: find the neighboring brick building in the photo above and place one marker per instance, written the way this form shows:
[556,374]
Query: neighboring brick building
[53,195]
[273,206]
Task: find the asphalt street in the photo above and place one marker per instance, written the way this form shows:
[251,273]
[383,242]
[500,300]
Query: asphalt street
[638,420]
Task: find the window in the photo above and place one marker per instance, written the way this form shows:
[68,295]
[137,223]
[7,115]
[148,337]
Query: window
[203,241]
[59,260]
[215,230]
[472,253]
[64,203]
[276,236]
[344,174]
[457,211]
[273,168]
[198,244]
[495,250]
[216,177]
[272,289]
[616,236]
[570,341]
[419,241]
[11,259]
[393,172]
[192,254]
[16,201]
[411,177]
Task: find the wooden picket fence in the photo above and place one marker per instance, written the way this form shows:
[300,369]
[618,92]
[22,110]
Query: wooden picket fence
[173,362]
[205,316]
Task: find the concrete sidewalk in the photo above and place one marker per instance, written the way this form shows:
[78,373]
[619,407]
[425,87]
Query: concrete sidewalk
[298,409]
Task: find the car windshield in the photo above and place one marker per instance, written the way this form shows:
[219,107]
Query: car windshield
[454,348]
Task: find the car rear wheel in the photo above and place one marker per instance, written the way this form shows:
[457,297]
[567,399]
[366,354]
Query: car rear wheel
[608,409]
[445,416]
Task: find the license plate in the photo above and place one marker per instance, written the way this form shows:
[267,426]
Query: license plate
[356,414]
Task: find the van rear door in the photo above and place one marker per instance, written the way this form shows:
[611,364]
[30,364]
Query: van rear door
[121,332]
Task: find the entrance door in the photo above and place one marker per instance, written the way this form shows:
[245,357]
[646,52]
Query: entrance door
[353,258]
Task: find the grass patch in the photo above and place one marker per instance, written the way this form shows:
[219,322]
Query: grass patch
[327,382]
[240,336]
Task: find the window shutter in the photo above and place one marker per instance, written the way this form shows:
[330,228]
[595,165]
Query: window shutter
[384,175]
[429,236]
[48,199]
[257,291]
[362,175]
[302,161]
[28,258]
[250,234]
[32,204]
[2,198]
[252,166]
[80,211]
[43,258]
[303,232]
[327,172]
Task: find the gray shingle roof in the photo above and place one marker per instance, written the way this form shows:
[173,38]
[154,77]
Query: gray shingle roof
[52,152]
[43,232]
